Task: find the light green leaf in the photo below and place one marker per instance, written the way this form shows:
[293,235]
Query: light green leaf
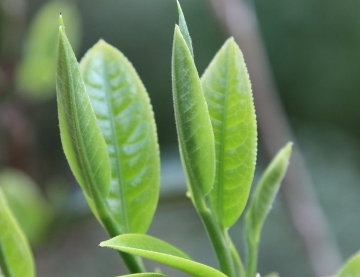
[16,259]
[196,138]
[351,267]
[184,29]
[126,120]
[83,143]
[36,72]
[227,89]
[160,251]
[26,203]
[145,275]
[266,191]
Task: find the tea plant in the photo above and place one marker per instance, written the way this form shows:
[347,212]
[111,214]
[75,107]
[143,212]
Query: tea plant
[109,138]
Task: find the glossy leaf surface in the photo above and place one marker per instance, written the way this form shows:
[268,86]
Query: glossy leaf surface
[36,72]
[351,267]
[126,120]
[26,203]
[16,259]
[227,89]
[193,123]
[160,251]
[184,29]
[266,190]
[83,143]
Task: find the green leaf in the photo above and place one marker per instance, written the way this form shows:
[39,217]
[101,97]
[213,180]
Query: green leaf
[351,267]
[83,143]
[196,138]
[160,251]
[16,259]
[266,191]
[126,120]
[35,76]
[26,203]
[145,275]
[184,29]
[227,89]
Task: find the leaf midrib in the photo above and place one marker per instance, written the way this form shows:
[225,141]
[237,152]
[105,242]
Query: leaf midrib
[121,185]
[222,142]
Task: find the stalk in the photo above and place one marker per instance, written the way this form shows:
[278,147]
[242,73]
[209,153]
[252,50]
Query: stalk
[133,263]
[236,256]
[217,238]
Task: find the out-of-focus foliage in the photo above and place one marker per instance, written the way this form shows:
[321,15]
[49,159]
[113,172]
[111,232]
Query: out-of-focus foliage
[36,72]
[26,203]
[16,259]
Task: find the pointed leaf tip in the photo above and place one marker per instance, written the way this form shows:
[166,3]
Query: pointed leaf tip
[184,29]
[61,20]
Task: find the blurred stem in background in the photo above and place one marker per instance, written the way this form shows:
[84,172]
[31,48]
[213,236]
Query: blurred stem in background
[239,19]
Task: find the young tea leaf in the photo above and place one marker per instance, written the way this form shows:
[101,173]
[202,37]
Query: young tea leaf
[126,120]
[161,252]
[184,29]
[196,138]
[227,89]
[351,267]
[266,191]
[83,143]
[16,259]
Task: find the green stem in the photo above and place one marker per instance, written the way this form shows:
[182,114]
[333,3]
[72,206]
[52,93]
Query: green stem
[252,256]
[217,238]
[133,263]
[236,256]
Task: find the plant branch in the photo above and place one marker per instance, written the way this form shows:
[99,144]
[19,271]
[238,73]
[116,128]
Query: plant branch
[239,20]
[134,264]
[219,242]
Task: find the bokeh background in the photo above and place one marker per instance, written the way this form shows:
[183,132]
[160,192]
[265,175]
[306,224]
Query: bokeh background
[305,59]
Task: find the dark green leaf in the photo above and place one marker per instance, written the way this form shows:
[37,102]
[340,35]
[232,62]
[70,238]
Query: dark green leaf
[126,120]
[160,251]
[36,72]
[351,267]
[228,94]
[16,259]
[196,138]
[83,143]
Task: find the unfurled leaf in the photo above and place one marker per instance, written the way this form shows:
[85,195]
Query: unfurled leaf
[266,191]
[195,135]
[184,29]
[16,259]
[83,143]
[145,275]
[36,72]
[160,251]
[26,203]
[229,98]
[351,267]
[126,120]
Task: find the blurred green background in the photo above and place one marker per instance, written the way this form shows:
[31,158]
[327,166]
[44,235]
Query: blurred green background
[314,51]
